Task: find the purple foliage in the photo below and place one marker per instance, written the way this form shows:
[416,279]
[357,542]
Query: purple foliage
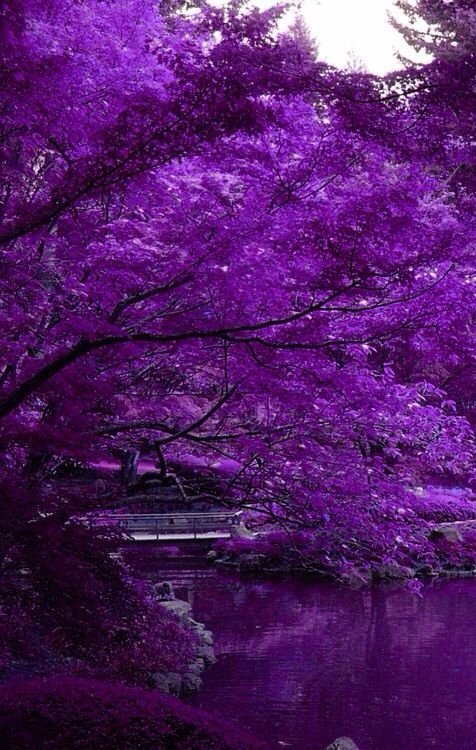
[61,713]
[216,248]
[352,553]
[70,605]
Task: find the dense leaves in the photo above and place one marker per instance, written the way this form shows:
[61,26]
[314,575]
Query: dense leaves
[79,714]
[69,603]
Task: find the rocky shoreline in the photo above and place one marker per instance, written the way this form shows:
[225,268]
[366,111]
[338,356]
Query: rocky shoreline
[257,564]
[188,681]
[254,560]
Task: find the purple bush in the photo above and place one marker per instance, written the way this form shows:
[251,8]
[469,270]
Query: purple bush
[358,545]
[76,714]
[71,605]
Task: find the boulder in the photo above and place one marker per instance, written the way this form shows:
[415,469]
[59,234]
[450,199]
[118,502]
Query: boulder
[198,626]
[159,680]
[342,743]
[207,654]
[395,571]
[240,531]
[164,591]
[178,607]
[206,637]
[191,682]
[197,665]
[174,682]
[446,533]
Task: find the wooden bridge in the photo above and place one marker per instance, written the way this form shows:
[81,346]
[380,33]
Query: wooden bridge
[171,526]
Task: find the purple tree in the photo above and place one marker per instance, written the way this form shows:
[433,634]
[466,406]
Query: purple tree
[214,245]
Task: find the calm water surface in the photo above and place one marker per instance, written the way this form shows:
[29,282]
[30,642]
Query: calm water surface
[302,663]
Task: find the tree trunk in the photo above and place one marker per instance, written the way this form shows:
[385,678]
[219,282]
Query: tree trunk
[129,467]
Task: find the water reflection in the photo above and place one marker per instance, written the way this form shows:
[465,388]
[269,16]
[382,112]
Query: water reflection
[300,664]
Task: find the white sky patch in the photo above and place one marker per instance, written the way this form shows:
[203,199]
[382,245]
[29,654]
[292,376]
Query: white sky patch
[354,33]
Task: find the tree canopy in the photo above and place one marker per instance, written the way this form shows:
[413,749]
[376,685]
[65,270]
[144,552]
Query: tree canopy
[215,245]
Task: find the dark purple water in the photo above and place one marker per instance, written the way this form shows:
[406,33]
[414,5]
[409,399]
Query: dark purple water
[302,663]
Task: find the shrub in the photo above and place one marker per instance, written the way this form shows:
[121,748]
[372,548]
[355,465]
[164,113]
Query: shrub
[77,714]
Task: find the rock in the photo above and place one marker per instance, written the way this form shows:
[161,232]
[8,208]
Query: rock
[159,681]
[178,607]
[197,666]
[447,533]
[174,682]
[394,571]
[207,637]
[207,654]
[342,743]
[240,531]
[199,626]
[191,682]
[164,591]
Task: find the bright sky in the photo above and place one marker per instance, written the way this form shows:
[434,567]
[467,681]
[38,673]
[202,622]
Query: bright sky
[354,29]
[353,32]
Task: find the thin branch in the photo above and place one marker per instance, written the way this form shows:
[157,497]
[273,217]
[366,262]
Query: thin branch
[134,299]
[85,346]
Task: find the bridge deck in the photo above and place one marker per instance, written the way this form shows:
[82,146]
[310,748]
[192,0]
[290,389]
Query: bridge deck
[144,536]
[179,526]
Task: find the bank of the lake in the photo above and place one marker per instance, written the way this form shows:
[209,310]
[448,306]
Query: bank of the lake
[300,663]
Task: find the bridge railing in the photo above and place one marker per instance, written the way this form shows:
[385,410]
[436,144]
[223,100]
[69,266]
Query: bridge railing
[166,524]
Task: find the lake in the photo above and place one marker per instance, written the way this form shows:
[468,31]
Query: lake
[301,663]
